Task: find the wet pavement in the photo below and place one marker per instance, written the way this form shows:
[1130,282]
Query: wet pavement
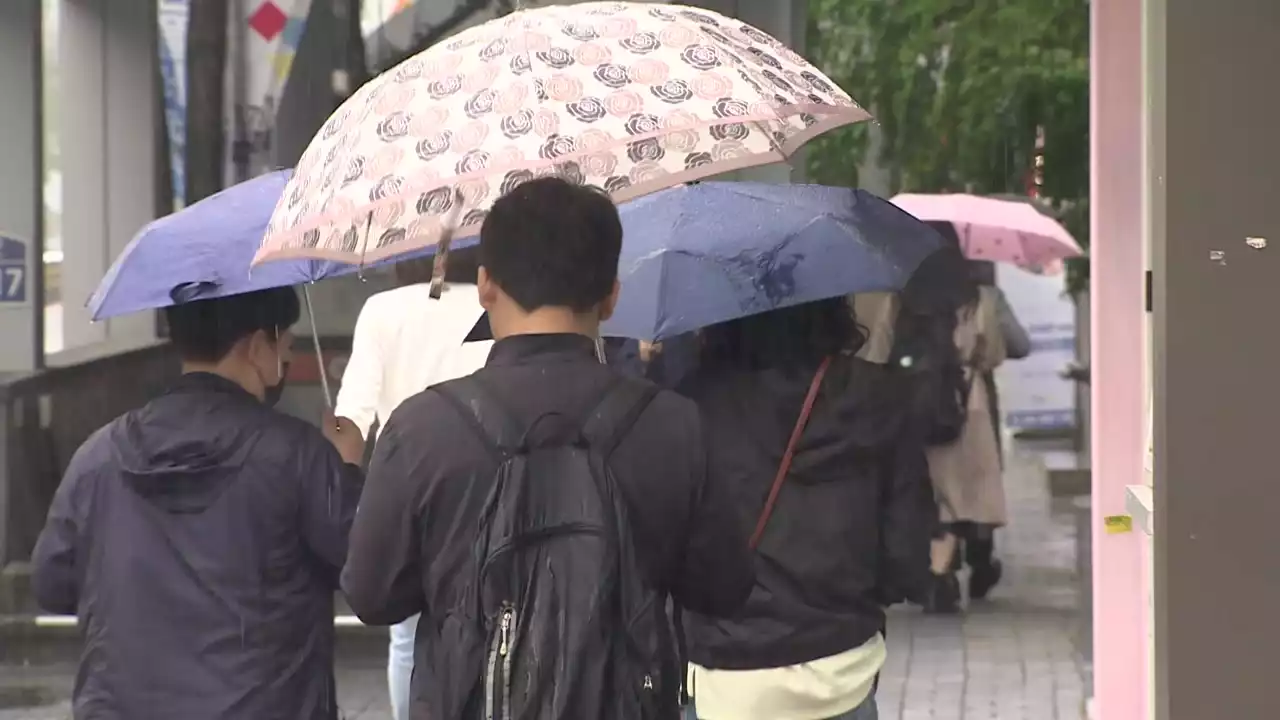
[1013,656]
[1009,658]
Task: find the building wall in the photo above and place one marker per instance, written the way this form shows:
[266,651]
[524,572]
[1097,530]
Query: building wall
[108,123]
[1215,261]
[21,204]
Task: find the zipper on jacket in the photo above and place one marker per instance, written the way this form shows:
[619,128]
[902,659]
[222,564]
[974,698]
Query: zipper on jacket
[497,683]
[508,629]
[648,698]
[505,632]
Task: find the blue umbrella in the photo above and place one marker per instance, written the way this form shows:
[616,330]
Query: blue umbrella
[205,251]
[703,254]
[202,252]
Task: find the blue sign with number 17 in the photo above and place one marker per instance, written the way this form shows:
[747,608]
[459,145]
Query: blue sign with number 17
[13,270]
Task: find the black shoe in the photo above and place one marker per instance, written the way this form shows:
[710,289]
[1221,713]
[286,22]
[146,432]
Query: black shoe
[984,577]
[944,595]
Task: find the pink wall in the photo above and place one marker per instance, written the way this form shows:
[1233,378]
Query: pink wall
[1118,388]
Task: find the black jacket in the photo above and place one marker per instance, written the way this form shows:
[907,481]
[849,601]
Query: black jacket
[851,528]
[416,529]
[199,539]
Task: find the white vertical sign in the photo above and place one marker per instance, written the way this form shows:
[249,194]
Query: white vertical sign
[1033,393]
[173,16]
[263,36]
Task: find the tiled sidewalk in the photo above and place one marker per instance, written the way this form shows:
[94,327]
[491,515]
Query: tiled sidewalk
[1012,656]
[1009,658]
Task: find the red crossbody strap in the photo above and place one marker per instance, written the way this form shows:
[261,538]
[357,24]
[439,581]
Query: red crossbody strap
[785,466]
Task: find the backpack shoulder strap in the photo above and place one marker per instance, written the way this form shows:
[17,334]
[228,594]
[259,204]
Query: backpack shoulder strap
[482,409]
[617,411]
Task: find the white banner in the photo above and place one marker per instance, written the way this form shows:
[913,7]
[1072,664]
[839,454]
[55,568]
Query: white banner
[173,16]
[1033,393]
[262,40]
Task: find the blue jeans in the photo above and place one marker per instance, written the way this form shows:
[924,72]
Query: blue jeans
[400,666]
[865,711]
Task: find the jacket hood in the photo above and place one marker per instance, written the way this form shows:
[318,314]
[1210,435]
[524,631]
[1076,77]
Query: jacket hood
[176,453]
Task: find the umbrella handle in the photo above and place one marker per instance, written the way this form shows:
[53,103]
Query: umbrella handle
[439,267]
[315,341]
[364,247]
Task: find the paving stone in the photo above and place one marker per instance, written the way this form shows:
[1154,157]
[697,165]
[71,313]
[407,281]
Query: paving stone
[1011,657]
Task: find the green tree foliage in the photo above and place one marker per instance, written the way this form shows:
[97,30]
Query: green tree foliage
[960,88]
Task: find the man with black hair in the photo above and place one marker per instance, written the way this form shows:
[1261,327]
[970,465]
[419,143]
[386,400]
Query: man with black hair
[200,537]
[539,512]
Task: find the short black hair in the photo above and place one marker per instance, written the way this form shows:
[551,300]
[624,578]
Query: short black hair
[791,338]
[942,284]
[983,272]
[206,330]
[551,243]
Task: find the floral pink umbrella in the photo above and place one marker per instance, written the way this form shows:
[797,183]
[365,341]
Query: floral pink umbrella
[998,230]
[629,97]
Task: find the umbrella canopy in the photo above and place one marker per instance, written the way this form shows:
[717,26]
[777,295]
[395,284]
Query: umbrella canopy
[629,97]
[998,230]
[204,251]
[716,251]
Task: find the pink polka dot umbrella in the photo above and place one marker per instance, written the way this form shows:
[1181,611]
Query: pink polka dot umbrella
[629,97]
[997,230]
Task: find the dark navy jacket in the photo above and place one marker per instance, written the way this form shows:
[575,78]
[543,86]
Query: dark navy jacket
[199,540]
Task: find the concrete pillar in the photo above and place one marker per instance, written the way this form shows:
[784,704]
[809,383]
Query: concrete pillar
[21,186]
[1142,493]
[1118,382]
[109,122]
[1216,261]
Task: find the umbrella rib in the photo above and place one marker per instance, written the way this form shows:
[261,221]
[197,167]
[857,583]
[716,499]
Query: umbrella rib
[315,340]
[364,247]
[777,147]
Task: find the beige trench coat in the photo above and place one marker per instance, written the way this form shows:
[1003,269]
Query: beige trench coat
[966,474]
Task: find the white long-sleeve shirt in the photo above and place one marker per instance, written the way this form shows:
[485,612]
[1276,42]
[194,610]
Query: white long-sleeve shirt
[405,342]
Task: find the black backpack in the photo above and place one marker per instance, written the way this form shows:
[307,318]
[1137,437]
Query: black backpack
[556,621]
[952,404]
[925,350]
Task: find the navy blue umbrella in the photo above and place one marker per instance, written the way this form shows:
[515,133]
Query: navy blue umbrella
[205,251]
[202,251]
[704,254]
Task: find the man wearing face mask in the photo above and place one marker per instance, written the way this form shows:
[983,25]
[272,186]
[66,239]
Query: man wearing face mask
[199,538]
